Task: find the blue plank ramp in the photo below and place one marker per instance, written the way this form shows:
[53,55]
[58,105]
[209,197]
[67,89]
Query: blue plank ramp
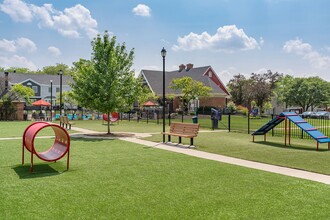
[297,120]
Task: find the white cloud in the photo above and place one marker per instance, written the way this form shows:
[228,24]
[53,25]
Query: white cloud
[73,19]
[18,10]
[228,38]
[227,74]
[142,10]
[17,61]
[7,45]
[69,23]
[19,44]
[54,51]
[27,44]
[151,68]
[307,52]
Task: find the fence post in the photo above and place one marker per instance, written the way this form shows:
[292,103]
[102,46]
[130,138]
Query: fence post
[248,122]
[272,128]
[228,122]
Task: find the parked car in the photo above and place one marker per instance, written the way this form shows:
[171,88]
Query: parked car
[324,115]
[306,114]
[321,114]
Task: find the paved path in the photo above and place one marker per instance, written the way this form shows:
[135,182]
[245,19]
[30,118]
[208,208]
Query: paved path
[230,160]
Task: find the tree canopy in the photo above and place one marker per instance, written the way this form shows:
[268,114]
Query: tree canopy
[189,89]
[303,92]
[258,88]
[106,83]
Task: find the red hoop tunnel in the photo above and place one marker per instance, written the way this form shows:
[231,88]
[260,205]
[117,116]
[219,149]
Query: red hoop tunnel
[60,147]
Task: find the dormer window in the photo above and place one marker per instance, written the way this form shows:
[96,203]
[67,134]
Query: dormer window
[35,89]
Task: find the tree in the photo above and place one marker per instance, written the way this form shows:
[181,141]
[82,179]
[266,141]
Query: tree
[189,89]
[282,89]
[69,100]
[236,87]
[19,70]
[305,92]
[263,86]
[18,91]
[106,83]
[54,70]
[258,88]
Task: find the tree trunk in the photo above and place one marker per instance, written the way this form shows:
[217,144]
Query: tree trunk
[108,122]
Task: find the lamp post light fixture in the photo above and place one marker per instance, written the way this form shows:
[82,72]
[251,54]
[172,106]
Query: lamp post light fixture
[163,53]
[60,73]
[51,100]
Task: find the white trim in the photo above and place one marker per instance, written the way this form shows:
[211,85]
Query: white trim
[216,75]
[145,78]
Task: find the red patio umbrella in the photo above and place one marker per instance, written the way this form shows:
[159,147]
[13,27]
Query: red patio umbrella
[41,102]
[149,103]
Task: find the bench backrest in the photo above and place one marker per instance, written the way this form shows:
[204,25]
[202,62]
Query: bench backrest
[184,128]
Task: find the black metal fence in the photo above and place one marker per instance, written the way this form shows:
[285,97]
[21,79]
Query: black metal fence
[250,124]
[231,122]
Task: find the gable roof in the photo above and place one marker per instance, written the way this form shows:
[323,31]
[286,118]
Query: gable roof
[41,79]
[154,79]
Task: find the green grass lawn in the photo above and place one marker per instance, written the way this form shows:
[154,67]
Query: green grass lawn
[121,126]
[301,154]
[113,179]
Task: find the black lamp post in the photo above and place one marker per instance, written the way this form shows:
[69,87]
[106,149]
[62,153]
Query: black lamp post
[51,100]
[60,73]
[163,53]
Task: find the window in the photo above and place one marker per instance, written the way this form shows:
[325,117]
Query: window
[35,89]
[50,89]
[57,89]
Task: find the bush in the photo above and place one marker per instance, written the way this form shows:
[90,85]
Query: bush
[231,106]
[243,110]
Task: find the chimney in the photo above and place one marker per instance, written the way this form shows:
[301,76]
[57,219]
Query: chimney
[181,67]
[189,66]
[6,81]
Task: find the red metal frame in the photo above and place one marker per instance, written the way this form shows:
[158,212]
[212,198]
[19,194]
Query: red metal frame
[60,147]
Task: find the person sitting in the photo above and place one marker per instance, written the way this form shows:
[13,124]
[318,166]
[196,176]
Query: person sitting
[41,116]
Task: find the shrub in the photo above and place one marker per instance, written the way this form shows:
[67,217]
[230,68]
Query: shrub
[243,110]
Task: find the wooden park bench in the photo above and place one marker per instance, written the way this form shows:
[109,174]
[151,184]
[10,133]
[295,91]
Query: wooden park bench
[64,121]
[185,130]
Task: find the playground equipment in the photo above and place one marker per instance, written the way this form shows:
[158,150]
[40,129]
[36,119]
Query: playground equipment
[297,120]
[114,117]
[61,145]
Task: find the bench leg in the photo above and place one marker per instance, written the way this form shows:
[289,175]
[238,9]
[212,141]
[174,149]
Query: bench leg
[180,140]
[169,138]
[191,141]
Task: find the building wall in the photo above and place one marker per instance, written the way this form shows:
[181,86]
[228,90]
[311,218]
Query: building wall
[218,102]
[19,111]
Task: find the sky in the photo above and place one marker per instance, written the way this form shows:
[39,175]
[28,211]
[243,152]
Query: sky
[232,36]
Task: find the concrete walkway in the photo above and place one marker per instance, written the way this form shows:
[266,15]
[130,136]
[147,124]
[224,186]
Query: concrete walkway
[224,159]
